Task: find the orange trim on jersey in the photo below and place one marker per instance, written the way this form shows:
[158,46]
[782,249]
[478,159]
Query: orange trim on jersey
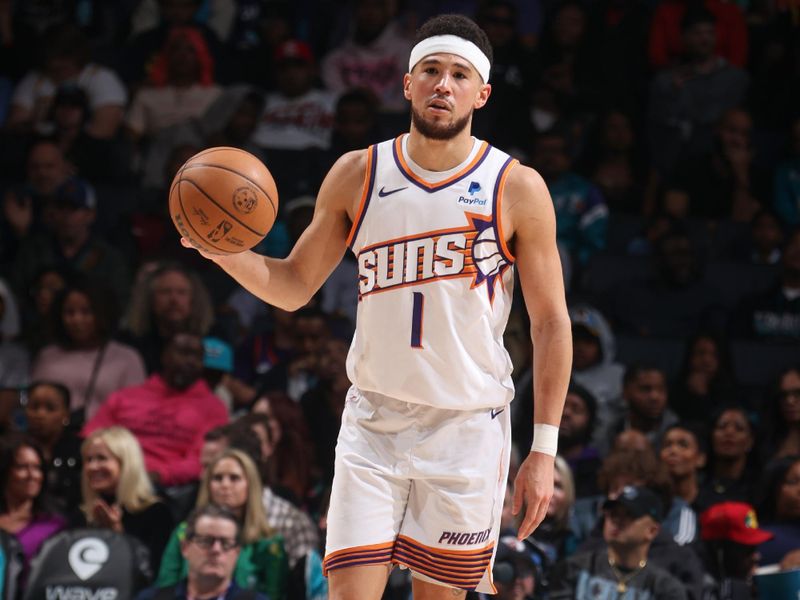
[499,210]
[365,194]
[401,160]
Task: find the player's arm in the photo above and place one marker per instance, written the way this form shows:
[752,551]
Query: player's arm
[528,209]
[290,283]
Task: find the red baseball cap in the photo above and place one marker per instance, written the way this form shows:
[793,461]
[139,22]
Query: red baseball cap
[294,50]
[734,521]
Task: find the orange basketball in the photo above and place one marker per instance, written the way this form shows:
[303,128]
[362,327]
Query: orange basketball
[223,200]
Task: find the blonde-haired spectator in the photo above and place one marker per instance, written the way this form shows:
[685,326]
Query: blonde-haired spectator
[232,481]
[117,493]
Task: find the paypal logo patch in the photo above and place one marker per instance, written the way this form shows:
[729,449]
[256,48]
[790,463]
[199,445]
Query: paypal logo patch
[474,187]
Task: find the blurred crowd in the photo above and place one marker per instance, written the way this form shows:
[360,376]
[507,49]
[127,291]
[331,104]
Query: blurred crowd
[145,396]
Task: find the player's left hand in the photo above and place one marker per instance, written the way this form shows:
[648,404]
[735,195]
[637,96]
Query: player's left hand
[533,486]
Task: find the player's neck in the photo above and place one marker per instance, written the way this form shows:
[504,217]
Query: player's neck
[439,155]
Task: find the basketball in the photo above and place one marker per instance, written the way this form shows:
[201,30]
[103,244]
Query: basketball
[223,200]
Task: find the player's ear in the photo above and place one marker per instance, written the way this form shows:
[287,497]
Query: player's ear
[407,86]
[483,95]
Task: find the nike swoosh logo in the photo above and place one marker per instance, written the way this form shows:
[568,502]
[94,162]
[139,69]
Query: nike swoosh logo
[496,412]
[383,194]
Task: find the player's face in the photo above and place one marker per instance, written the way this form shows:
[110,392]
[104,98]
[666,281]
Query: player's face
[444,89]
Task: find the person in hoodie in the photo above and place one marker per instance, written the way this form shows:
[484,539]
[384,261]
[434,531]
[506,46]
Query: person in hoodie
[169,413]
[593,366]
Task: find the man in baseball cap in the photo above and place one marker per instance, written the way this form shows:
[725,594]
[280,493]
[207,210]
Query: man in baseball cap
[731,535]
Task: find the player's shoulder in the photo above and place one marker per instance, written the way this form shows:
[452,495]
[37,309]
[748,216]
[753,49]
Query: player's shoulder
[526,188]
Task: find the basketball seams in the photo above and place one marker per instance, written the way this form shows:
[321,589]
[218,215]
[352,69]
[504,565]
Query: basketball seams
[189,221]
[242,175]
[222,208]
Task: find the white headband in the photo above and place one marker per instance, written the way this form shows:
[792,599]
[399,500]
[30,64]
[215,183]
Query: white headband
[451,44]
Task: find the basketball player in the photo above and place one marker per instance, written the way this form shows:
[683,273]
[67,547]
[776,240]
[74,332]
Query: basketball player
[437,220]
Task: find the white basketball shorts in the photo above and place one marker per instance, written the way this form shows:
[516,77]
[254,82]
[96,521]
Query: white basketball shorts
[420,487]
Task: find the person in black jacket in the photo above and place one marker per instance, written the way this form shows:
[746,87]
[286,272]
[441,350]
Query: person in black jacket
[632,522]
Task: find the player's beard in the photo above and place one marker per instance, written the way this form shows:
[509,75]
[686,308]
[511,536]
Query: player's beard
[436,131]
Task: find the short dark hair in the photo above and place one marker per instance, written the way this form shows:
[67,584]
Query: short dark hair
[457,25]
[695,429]
[63,391]
[215,512]
[636,369]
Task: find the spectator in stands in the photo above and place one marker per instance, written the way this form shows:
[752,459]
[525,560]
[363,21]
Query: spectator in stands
[731,535]
[515,574]
[47,412]
[232,481]
[296,377]
[615,164]
[786,199]
[181,86]
[705,381]
[683,452]
[37,324]
[593,365]
[686,101]
[673,299]
[99,160]
[775,315]
[233,118]
[730,473]
[646,404]
[504,122]
[70,243]
[763,244]
[565,62]
[578,422]
[554,535]
[323,404]
[374,57]
[27,207]
[13,356]
[726,181]
[84,357]
[66,61]
[289,469]
[169,413]
[168,298]
[782,417]
[25,511]
[581,211]
[211,550]
[297,116]
[354,123]
[667,45]
[780,509]
[118,494]
[150,29]
[632,521]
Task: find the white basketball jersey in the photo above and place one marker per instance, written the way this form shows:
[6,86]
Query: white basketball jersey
[435,280]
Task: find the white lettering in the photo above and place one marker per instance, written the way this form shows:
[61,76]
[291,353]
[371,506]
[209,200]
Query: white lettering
[384,280]
[412,261]
[61,592]
[366,264]
[444,251]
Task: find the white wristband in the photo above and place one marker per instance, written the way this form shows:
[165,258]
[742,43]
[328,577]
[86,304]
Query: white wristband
[545,439]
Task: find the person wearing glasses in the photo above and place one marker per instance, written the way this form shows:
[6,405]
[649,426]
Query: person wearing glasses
[211,548]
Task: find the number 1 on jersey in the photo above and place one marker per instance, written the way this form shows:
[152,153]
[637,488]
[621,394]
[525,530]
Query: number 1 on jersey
[416,320]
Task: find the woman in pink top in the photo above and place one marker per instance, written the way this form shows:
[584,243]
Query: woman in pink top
[84,358]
